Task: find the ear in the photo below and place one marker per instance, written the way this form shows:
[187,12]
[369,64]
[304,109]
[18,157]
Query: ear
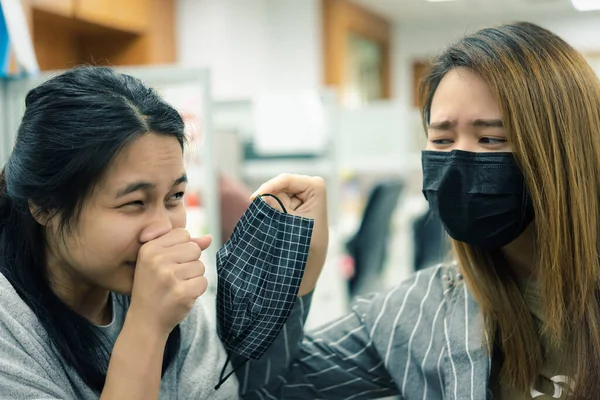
[41,217]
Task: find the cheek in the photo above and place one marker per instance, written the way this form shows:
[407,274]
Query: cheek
[179,218]
[104,242]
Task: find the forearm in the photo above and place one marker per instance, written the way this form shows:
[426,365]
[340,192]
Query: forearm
[340,355]
[314,267]
[255,375]
[134,371]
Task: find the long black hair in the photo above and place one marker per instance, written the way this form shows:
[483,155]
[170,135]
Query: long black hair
[73,127]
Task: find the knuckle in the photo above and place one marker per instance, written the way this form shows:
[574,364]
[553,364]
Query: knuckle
[145,251]
[165,275]
[201,268]
[319,181]
[156,260]
[193,250]
[202,286]
[183,234]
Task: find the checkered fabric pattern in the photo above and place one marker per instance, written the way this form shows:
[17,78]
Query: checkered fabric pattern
[259,273]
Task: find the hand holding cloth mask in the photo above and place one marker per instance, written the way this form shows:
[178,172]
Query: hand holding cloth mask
[481,198]
[259,270]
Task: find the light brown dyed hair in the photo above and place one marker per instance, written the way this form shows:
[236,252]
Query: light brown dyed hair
[550,102]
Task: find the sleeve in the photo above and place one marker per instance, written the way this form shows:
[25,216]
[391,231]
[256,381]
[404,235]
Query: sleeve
[351,358]
[24,380]
[201,358]
[338,361]
[23,375]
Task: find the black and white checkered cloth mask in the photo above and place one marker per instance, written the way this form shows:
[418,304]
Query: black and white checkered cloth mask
[259,270]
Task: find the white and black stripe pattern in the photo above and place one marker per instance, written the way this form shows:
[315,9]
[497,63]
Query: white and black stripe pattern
[423,340]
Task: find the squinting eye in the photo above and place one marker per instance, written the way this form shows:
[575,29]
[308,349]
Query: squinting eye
[178,196]
[134,203]
[175,200]
[441,141]
[488,140]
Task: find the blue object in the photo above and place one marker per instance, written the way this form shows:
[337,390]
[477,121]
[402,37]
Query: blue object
[4,45]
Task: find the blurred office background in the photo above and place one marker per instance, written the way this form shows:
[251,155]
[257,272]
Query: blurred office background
[318,87]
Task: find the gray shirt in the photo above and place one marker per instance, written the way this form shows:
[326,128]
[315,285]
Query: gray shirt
[30,368]
[423,340]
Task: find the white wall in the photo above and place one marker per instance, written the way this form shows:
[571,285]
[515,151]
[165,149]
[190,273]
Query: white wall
[252,45]
[256,45]
[420,41]
[413,42]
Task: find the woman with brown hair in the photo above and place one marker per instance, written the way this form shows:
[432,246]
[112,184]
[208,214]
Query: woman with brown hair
[512,166]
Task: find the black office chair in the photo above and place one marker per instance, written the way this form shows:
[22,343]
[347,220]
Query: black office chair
[368,247]
[431,243]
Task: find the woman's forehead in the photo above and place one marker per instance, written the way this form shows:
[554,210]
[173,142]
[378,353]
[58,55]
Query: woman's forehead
[152,158]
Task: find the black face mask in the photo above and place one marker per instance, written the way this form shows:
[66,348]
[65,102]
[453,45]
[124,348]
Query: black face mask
[481,198]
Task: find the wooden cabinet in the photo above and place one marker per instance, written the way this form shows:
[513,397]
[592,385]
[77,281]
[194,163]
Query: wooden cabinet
[62,8]
[124,15]
[342,19]
[420,69]
[67,33]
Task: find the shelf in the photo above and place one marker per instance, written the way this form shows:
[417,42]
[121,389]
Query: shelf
[67,33]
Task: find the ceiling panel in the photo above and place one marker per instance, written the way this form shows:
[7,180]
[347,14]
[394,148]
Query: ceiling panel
[422,10]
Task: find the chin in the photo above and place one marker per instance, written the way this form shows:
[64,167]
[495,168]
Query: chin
[124,282]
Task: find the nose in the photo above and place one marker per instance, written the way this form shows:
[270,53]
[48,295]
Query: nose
[466,142]
[159,223]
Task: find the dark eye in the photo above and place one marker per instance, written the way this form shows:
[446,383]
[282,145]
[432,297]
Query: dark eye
[442,141]
[134,203]
[488,140]
[176,198]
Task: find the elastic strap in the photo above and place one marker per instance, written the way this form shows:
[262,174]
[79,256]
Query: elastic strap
[222,379]
[275,197]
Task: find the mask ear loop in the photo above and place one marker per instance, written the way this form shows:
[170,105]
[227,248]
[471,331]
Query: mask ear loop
[276,198]
[222,379]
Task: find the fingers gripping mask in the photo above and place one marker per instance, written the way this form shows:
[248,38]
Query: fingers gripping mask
[481,198]
[259,271]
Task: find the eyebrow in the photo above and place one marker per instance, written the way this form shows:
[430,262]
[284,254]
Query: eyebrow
[141,185]
[481,123]
[442,125]
[489,123]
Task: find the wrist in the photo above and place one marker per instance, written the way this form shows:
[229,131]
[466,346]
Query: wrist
[145,326]
[134,370]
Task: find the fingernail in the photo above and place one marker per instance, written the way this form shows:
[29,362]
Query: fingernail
[254,195]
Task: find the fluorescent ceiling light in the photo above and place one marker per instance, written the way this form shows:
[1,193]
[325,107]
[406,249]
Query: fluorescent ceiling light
[439,1]
[586,5]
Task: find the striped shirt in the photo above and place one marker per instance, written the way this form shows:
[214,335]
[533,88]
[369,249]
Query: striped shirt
[422,340]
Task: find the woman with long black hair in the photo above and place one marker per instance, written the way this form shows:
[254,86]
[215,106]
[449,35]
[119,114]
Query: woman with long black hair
[98,277]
